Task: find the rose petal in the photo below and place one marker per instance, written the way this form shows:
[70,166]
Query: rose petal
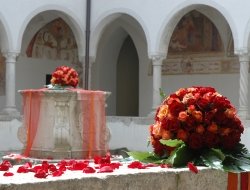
[41,174]
[7,163]
[52,168]
[78,166]
[4,168]
[106,169]
[28,165]
[57,173]
[22,169]
[102,160]
[36,168]
[166,166]
[114,165]
[192,167]
[89,170]
[136,165]
[150,165]
[7,174]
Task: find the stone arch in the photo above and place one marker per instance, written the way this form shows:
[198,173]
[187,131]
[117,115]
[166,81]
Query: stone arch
[108,17]
[41,16]
[6,41]
[246,39]
[210,10]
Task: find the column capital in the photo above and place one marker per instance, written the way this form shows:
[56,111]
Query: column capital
[241,51]
[244,58]
[10,56]
[157,56]
[157,59]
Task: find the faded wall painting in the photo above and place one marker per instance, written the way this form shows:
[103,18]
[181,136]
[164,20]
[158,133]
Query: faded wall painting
[196,48]
[55,41]
[2,75]
[195,33]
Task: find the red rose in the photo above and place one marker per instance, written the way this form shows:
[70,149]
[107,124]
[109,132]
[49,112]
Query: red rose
[190,124]
[159,148]
[211,140]
[176,107]
[203,103]
[172,124]
[182,135]
[231,140]
[195,141]
[221,103]
[181,93]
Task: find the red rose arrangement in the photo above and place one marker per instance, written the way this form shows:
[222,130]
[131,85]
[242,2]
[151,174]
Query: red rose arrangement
[200,117]
[64,76]
[197,126]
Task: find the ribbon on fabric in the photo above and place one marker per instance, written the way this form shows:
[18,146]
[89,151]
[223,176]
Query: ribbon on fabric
[31,113]
[238,181]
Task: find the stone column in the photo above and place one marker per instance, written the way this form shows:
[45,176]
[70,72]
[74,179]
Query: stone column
[243,99]
[157,66]
[10,83]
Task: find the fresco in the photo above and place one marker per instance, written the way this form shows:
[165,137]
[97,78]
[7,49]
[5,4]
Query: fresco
[55,41]
[196,48]
[195,33]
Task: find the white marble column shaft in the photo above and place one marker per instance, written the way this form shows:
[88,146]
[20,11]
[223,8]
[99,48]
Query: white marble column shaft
[243,99]
[157,67]
[10,89]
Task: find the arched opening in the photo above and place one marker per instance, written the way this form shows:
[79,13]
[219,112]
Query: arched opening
[48,42]
[127,76]
[120,56]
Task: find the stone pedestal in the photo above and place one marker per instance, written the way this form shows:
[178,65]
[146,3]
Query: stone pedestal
[59,132]
[122,178]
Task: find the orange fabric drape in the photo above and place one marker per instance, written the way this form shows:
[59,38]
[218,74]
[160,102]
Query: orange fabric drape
[93,121]
[238,181]
[248,178]
[232,181]
[92,105]
[244,181]
[31,113]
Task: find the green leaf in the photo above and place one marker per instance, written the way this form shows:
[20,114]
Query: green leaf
[213,158]
[230,165]
[148,142]
[237,160]
[180,156]
[172,143]
[239,150]
[148,157]
[218,153]
[162,94]
[242,164]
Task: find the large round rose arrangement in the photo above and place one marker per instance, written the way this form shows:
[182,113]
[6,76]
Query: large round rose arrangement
[64,76]
[200,117]
[197,126]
